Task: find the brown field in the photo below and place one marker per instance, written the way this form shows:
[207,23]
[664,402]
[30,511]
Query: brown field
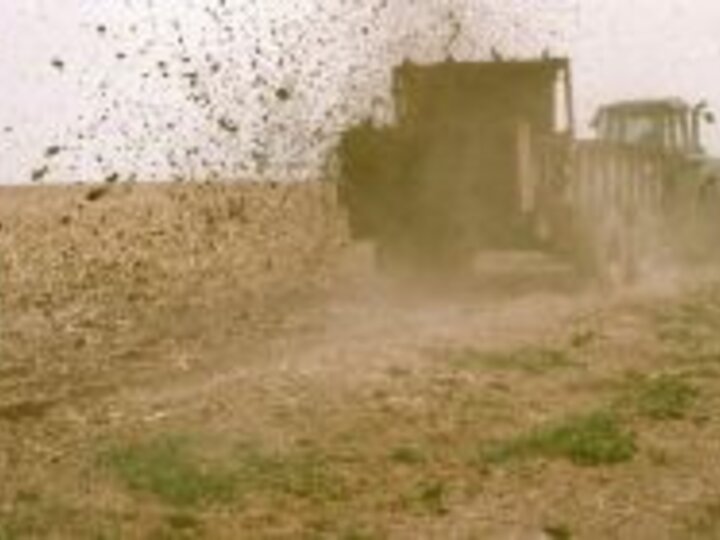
[219,361]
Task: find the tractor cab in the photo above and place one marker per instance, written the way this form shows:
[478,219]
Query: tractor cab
[671,125]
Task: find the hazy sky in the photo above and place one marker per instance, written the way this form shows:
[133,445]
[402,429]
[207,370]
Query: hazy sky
[92,88]
[641,48]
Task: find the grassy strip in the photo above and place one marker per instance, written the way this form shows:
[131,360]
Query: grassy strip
[171,469]
[166,468]
[530,360]
[664,397]
[593,439]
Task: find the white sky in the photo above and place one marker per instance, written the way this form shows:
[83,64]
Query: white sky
[190,87]
[636,48]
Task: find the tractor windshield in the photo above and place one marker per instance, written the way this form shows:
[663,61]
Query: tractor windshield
[643,129]
[658,125]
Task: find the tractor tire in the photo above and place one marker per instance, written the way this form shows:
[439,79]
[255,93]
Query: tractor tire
[607,255]
[616,256]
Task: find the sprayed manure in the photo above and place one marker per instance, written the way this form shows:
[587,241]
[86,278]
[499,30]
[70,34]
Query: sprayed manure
[236,90]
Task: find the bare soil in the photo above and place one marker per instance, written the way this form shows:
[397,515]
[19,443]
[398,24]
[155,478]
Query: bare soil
[349,406]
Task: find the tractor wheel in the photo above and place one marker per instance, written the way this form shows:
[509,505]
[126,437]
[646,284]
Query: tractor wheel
[617,257]
[607,254]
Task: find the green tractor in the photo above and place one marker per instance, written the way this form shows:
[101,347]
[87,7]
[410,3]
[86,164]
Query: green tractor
[689,212]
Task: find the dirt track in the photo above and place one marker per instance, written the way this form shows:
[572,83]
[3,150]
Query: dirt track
[352,407]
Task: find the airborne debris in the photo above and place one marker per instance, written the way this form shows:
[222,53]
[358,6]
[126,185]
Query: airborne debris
[39,174]
[283,94]
[52,151]
[97,193]
[227,125]
[496,55]
[224,66]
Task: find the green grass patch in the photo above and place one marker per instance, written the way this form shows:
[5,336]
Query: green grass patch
[427,497]
[531,360]
[6,533]
[176,472]
[304,473]
[168,468]
[664,397]
[407,455]
[692,324]
[594,439]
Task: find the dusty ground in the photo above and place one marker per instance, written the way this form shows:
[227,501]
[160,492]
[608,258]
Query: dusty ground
[516,405]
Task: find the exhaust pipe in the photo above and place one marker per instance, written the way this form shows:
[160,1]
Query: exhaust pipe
[700,112]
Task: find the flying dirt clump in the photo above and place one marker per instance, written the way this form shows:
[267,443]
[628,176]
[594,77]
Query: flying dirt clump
[262,91]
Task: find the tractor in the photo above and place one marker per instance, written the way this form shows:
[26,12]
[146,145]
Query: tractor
[483,156]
